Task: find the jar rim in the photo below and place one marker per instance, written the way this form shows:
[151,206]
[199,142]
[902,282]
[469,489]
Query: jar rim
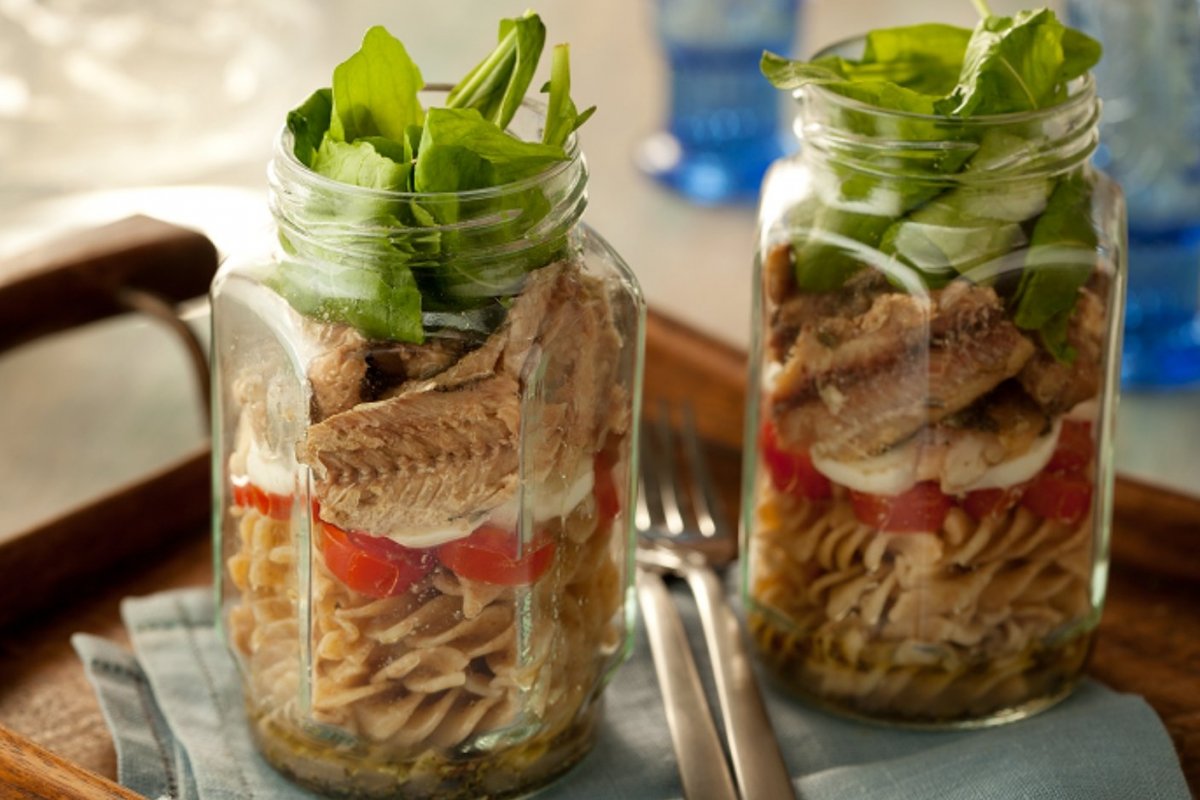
[285,156]
[1081,91]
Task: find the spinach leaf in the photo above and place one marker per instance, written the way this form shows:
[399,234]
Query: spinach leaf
[496,86]
[460,150]
[1080,53]
[973,223]
[373,163]
[872,84]
[375,90]
[308,123]
[562,117]
[390,265]
[1018,64]
[1061,258]
[375,294]
[924,58]
[858,203]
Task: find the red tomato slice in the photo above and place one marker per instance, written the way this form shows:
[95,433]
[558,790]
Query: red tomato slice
[269,504]
[921,508]
[489,555]
[608,502]
[372,565]
[791,472]
[1075,448]
[1062,498]
[984,503]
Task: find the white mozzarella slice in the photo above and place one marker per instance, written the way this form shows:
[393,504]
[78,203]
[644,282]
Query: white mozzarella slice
[1022,468]
[547,504]
[1087,411]
[890,473]
[432,537]
[268,472]
[899,470]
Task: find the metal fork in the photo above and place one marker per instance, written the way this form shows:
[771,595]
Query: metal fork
[693,549]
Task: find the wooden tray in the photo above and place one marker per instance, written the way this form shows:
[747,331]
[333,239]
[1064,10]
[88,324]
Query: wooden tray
[1149,640]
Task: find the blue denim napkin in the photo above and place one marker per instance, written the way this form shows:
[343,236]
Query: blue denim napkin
[175,710]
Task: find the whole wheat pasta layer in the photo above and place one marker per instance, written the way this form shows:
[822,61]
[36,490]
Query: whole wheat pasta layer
[436,666]
[937,622]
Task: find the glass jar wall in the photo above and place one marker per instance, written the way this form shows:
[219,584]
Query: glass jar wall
[422,529]
[928,475]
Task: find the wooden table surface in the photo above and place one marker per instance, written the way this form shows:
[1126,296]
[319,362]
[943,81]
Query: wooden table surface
[1149,641]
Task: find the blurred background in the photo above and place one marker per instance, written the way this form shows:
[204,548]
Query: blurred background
[171,107]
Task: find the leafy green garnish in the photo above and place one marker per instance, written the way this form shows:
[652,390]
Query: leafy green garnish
[916,200]
[392,266]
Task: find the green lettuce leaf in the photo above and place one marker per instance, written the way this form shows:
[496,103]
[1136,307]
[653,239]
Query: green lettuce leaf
[1080,53]
[375,90]
[844,227]
[496,86]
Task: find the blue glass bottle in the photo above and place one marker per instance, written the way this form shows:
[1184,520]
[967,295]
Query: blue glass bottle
[724,125]
[1149,79]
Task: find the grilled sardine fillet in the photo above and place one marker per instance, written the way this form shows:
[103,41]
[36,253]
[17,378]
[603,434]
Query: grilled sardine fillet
[1058,386]
[852,387]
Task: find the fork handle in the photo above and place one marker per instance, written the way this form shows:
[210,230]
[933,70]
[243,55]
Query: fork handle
[761,771]
[702,765]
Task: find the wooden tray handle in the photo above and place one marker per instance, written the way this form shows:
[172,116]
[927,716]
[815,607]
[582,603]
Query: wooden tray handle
[137,264]
[94,274]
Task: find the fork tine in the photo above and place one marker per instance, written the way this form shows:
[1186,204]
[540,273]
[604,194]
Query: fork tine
[649,504]
[705,503]
[668,477]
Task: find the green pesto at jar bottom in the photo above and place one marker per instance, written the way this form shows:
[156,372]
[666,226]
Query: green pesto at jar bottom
[929,697]
[358,774]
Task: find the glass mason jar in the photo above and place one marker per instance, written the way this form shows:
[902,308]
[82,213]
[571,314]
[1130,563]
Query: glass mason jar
[928,472]
[423,540]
